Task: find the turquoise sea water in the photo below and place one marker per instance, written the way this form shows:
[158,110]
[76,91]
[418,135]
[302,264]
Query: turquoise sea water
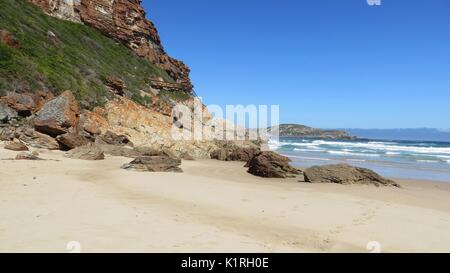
[396,159]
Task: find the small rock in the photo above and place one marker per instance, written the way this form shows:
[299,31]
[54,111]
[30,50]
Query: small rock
[71,140]
[154,164]
[116,85]
[26,156]
[115,139]
[86,152]
[16,146]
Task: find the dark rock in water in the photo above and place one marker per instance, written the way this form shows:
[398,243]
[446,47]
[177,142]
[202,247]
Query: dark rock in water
[6,113]
[71,140]
[114,139]
[271,164]
[27,156]
[86,152]
[16,146]
[58,115]
[345,174]
[154,164]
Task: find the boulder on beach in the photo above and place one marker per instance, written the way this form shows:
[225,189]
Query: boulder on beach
[71,140]
[162,163]
[86,152]
[346,175]
[27,156]
[272,165]
[16,146]
[58,115]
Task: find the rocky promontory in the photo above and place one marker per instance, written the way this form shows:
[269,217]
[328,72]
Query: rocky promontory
[302,131]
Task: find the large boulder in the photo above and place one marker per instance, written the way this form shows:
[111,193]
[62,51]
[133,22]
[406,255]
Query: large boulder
[154,164]
[7,114]
[272,165]
[16,146]
[86,152]
[345,174]
[58,115]
[71,140]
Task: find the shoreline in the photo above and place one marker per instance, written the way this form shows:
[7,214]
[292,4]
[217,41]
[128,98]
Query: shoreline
[213,206]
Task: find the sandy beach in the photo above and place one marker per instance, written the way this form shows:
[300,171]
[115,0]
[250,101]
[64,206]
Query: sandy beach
[212,207]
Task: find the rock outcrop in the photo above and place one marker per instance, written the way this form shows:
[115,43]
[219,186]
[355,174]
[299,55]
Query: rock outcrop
[302,131]
[232,152]
[26,103]
[58,115]
[29,136]
[345,174]
[125,21]
[154,164]
[271,165]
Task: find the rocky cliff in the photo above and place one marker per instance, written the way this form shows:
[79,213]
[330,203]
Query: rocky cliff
[124,21]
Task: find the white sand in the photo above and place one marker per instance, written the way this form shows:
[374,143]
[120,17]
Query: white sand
[212,207]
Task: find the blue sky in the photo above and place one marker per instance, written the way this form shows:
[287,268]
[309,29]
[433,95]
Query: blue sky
[327,63]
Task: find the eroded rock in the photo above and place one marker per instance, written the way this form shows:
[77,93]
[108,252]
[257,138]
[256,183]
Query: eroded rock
[154,164]
[272,165]
[86,152]
[345,174]
[16,146]
[27,156]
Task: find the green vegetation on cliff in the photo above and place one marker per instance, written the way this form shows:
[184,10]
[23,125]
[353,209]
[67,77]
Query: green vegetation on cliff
[77,58]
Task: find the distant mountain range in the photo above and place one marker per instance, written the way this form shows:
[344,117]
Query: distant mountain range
[418,134]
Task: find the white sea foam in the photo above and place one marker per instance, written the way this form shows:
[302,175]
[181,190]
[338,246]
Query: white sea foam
[383,146]
[427,161]
[351,154]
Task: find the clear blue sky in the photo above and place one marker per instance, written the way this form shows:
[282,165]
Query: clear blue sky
[327,63]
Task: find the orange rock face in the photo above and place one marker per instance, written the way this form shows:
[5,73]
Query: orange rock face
[125,21]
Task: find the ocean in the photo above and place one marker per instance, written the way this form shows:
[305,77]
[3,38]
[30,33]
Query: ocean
[394,159]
